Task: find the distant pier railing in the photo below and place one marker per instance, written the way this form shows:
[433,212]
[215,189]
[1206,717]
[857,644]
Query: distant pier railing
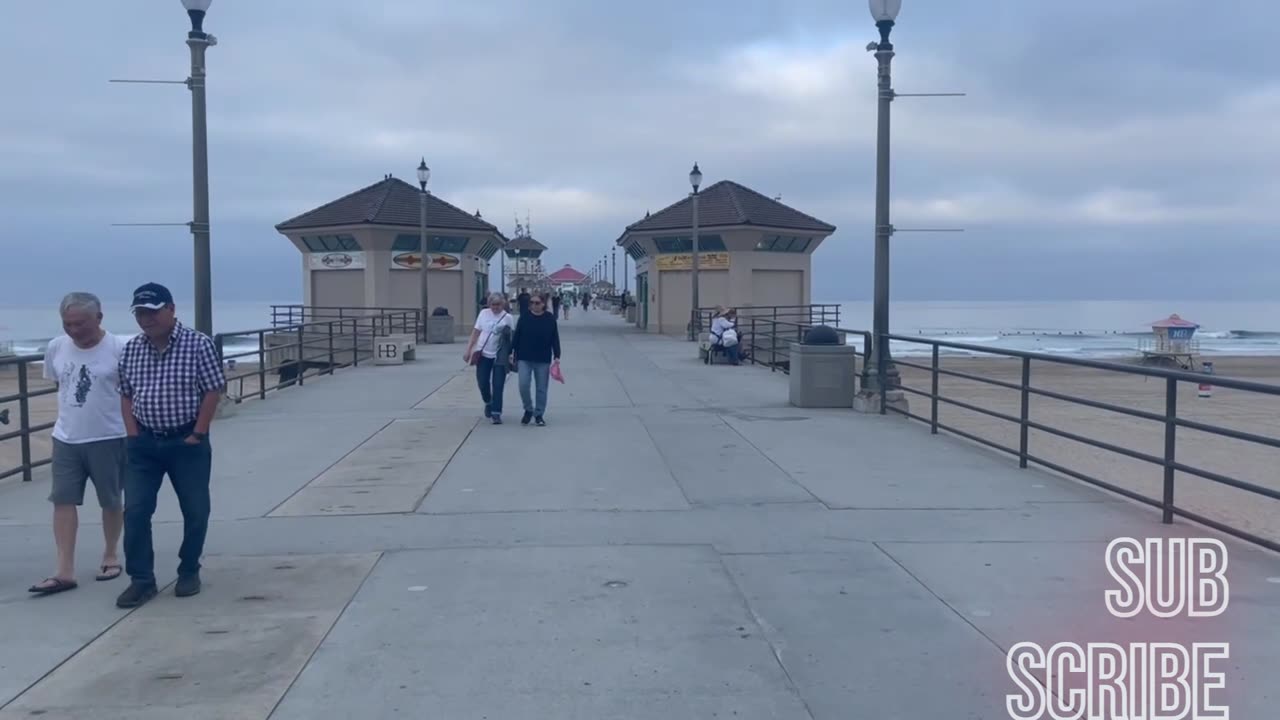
[298,351]
[1170,419]
[297,314]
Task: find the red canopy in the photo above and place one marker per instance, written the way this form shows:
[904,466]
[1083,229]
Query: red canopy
[566,274]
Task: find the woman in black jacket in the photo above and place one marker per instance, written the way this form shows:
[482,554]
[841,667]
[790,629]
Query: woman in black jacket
[534,347]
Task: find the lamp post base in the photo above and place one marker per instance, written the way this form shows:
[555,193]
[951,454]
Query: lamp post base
[868,401]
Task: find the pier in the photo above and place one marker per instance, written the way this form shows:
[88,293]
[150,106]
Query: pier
[680,542]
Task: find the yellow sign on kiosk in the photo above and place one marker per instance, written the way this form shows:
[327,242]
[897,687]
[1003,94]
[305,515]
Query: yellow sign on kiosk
[684,261]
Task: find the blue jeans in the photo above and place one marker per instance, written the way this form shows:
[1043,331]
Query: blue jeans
[188,468]
[530,371]
[733,352]
[491,376]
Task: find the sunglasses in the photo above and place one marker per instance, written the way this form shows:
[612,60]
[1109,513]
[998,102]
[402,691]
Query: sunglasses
[535,303]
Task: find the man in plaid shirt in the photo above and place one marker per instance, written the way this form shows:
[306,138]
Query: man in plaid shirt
[170,384]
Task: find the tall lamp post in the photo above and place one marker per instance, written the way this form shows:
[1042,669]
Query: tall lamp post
[199,41]
[424,174]
[695,323]
[613,269]
[884,12]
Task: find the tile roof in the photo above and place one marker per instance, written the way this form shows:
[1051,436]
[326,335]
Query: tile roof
[567,274]
[390,201]
[525,242]
[727,203]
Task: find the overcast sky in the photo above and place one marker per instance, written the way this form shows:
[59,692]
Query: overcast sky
[1105,149]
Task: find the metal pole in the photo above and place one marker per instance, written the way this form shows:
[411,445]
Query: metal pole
[425,258]
[880,323]
[613,271]
[695,326]
[203,286]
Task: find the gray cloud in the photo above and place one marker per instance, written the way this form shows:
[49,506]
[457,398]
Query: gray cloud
[1113,138]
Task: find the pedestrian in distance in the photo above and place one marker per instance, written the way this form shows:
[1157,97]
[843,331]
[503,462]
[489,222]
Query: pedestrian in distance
[88,436]
[490,340]
[535,347]
[170,385]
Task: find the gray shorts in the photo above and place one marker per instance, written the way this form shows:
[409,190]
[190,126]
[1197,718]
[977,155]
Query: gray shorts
[75,463]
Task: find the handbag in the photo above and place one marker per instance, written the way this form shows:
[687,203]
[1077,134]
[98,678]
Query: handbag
[556,374]
[478,352]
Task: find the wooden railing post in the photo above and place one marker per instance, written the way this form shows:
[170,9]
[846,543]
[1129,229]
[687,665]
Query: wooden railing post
[933,395]
[331,363]
[301,340]
[1024,430]
[24,420]
[1170,445]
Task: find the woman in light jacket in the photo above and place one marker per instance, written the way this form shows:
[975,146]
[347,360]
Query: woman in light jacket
[490,340]
[535,346]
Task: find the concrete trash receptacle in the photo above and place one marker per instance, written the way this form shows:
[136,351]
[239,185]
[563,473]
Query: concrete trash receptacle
[823,371]
[631,313]
[440,329]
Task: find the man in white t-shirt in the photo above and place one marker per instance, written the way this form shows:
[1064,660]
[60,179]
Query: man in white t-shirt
[88,437]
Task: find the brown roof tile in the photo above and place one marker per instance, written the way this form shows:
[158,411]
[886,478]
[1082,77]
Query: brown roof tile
[727,203]
[390,201]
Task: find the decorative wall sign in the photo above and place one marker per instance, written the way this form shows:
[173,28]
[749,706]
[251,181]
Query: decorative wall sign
[336,261]
[684,261]
[413,261]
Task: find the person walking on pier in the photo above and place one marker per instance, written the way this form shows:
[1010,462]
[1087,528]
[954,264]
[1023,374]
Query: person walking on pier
[88,436]
[522,301]
[556,300]
[490,340]
[170,384]
[535,346]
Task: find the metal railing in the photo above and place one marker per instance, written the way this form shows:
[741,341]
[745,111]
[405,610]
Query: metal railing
[295,352]
[1169,419]
[294,315]
[22,364]
[765,333]
[303,350]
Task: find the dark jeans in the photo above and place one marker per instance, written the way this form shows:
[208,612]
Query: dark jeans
[188,467]
[491,376]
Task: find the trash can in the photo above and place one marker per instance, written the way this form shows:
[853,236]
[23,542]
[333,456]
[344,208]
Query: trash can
[440,326]
[823,370]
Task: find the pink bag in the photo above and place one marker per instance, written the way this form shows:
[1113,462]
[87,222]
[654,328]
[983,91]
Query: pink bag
[555,372]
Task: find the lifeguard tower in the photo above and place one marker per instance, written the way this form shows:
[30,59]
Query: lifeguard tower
[1173,342]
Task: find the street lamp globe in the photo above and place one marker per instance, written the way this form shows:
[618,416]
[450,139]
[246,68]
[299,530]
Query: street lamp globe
[885,10]
[695,177]
[196,10]
[424,173]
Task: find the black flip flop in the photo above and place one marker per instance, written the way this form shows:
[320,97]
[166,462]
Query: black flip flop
[59,585]
[107,574]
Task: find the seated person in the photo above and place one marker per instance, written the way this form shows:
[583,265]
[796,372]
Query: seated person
[724,334]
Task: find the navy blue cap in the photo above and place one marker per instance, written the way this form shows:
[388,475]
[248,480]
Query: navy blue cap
[152,296]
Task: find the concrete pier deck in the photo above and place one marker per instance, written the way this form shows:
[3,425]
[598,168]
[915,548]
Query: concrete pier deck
[679,542]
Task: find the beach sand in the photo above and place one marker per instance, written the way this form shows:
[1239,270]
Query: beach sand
[1238,410]
[1233,409]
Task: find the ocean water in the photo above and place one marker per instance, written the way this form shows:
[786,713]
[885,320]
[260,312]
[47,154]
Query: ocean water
[28,329]
[1094,329]
[1088,329]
